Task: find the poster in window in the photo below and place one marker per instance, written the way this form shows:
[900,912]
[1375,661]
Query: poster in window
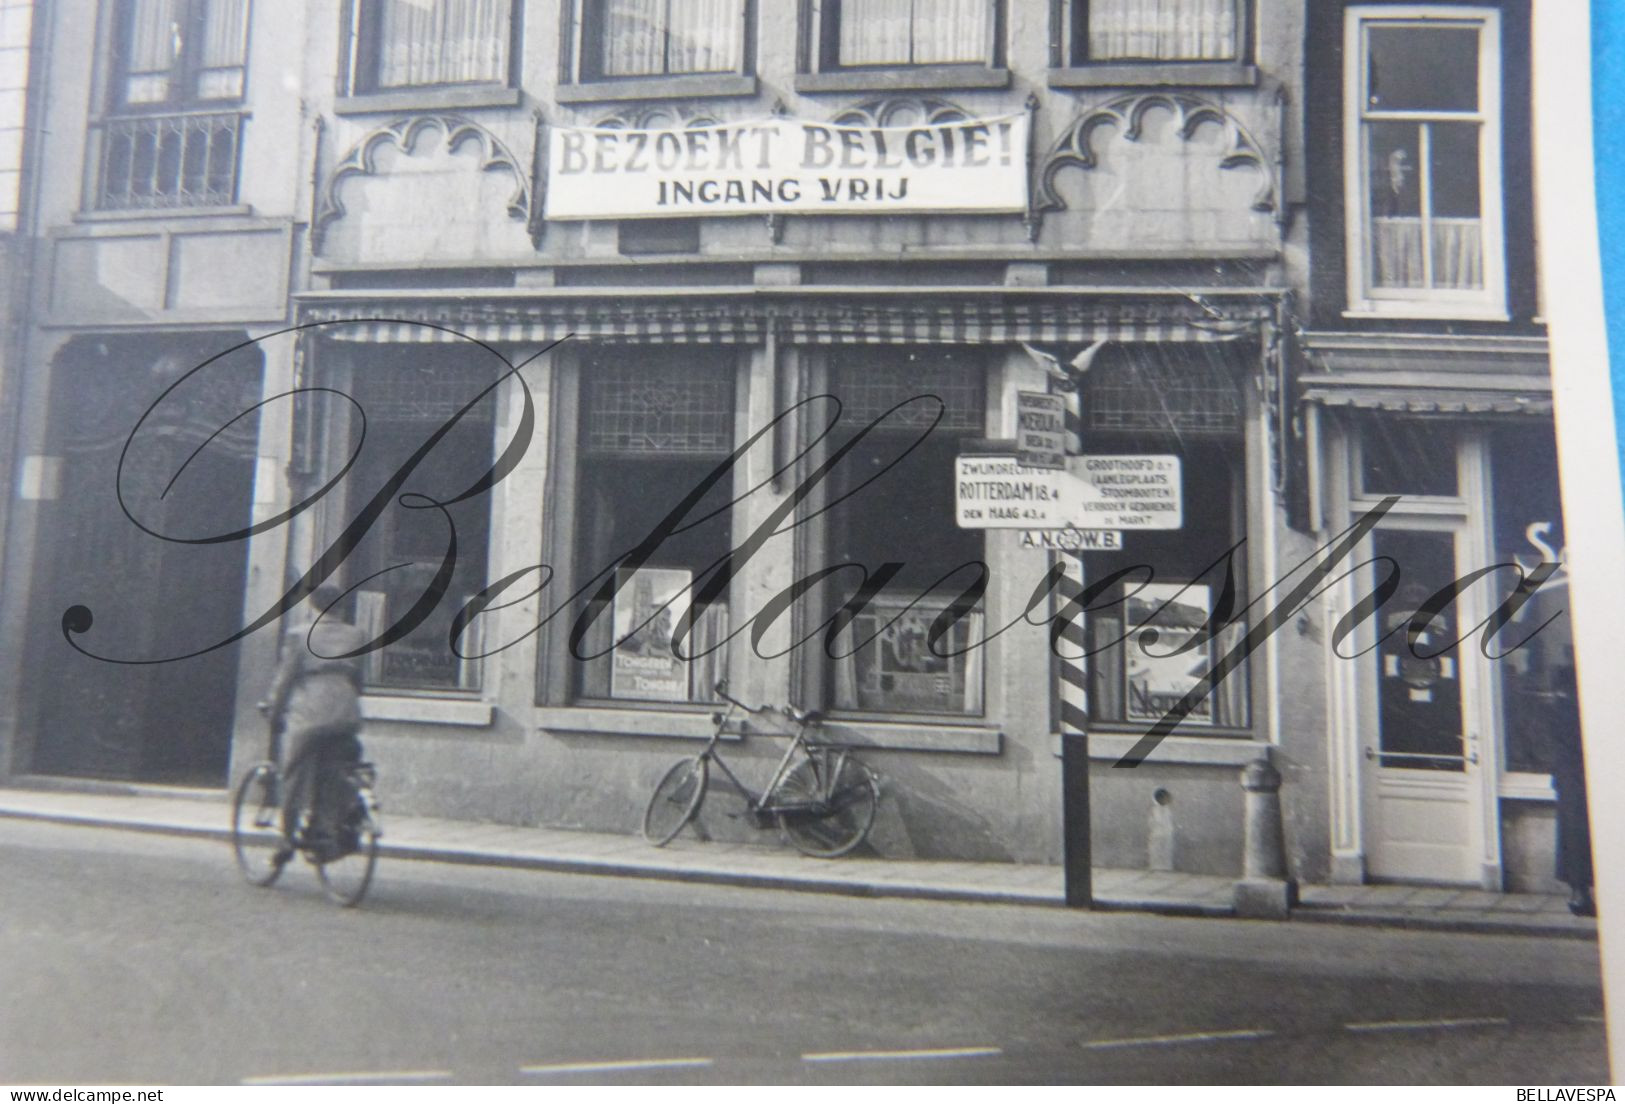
[1159,673]
[648,606]
[897,669]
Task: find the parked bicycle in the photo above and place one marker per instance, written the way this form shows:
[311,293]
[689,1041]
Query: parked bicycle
[821,796]
[344,864]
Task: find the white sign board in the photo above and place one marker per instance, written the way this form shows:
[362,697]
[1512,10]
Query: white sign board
[1040,429]
[787,165]
[1094,492]
[1129,492]
[1073,540]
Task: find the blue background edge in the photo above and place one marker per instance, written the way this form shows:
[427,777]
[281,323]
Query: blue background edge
[1608,125]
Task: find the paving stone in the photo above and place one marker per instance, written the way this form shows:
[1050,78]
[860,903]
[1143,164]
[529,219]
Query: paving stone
[1331,895]
[1518,902]
[1384,895]
[1474,899]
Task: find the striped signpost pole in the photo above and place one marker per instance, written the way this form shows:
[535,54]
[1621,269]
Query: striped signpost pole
[1073,693]
[1069,647]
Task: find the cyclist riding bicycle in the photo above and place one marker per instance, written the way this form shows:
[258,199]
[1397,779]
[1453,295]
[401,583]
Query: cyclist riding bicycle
[315,702]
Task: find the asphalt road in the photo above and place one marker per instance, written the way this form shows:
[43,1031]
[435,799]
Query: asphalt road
[146,960]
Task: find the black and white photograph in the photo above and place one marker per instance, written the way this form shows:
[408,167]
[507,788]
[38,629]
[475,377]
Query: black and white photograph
[641,543]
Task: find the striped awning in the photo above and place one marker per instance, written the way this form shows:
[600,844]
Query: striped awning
[1432,400]
[1052,322]
[539,324]
[926,320]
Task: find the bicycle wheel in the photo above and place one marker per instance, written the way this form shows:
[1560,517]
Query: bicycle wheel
[675,800]
[844,806]
[346,875]
[256,824]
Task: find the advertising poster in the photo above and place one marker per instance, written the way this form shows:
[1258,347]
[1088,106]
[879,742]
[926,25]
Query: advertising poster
[1160,670]
[647,608]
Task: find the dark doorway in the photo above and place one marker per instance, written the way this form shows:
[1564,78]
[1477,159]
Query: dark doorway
[188,474]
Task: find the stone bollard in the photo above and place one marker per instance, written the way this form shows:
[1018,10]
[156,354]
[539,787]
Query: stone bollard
[1265,891]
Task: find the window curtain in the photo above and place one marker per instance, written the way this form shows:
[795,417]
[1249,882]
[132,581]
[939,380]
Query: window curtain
[947,31]
[1458,253]
[220,58]
[654,37]
[913,32]
[425,42]
[154,43]
[706,36]
[1163,30]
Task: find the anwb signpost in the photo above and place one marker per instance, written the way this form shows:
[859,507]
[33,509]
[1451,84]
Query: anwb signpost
[1082,504]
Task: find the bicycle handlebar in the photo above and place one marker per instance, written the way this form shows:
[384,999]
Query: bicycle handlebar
[804,718]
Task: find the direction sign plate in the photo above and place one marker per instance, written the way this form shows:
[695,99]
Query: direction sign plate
[1040,430]
[1094,492]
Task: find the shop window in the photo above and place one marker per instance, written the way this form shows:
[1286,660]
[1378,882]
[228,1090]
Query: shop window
[1156,30]
[1186,401]
[1538,690]
[399,557]
[430,43]
[654,38]
[1423,138]
[885,662]
[1407,456]
[859,33]
[653,426]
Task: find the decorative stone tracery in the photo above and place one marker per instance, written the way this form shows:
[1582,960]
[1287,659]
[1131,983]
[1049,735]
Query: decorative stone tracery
[404,133]
[1074,147]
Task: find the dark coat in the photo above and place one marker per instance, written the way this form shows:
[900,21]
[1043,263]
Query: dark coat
[315,693]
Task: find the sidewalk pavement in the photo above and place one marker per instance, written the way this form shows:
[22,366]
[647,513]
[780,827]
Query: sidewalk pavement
[205,813]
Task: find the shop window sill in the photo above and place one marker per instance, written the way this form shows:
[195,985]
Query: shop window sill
[1421,310]
[1197,74]
[149,214]
[428,711]
[586,720]
[687,85]
[427,99]
[922,79]
[913,736]
[1207,751]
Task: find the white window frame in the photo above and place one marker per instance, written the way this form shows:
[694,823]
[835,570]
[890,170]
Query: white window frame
[1076,55]
[581,70]
[1490,302]
[820,23]
[360,59]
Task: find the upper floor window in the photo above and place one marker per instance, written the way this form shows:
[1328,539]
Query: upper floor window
[653,38]
[1156,30]
[1423,160]
[430,43]
[173,52]
[855,33]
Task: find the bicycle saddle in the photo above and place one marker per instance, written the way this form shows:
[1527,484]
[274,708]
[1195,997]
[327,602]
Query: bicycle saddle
[810,718]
